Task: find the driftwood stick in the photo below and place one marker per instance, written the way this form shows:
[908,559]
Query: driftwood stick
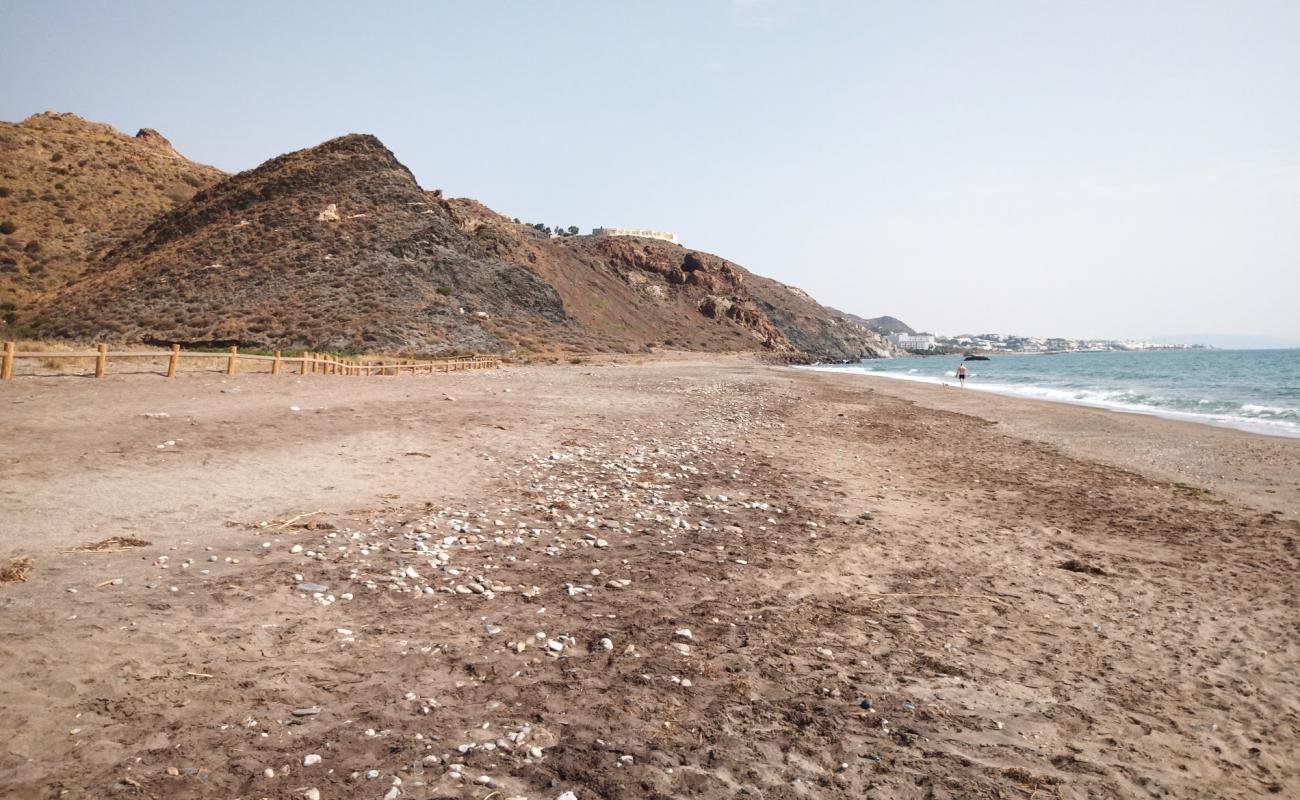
[287,523]
[883,595]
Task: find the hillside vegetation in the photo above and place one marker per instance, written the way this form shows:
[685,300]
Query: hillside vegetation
[70,188]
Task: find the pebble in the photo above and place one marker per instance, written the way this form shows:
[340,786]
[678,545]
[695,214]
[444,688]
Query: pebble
[313,587]
[311,794]
[268,773]
[310,711]
[297,548]
[310,760]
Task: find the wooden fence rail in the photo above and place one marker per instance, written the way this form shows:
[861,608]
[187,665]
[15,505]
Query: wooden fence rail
[314,363]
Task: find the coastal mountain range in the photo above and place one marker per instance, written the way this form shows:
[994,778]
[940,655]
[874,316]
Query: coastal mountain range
[337,247]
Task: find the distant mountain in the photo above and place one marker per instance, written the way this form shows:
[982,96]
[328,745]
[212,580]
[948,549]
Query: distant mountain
[337,247]
[71,188]
[885,326]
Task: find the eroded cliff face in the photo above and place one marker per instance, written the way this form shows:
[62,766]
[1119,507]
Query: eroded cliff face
[671,281]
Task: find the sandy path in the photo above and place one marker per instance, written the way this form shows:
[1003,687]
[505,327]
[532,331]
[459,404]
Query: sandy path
[1010,622]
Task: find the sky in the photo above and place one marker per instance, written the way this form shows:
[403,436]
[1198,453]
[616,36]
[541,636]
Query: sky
[1086,169]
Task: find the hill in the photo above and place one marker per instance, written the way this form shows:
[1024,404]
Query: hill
[884,325]
[334,247]
[337,247]
[70,188]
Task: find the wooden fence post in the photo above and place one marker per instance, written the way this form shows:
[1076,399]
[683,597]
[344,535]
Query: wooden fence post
[230,361]
[173,361]
[302,368]
[101,361]
[7,365]
[275,365]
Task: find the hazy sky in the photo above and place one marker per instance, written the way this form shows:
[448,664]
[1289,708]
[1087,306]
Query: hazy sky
[1090,169]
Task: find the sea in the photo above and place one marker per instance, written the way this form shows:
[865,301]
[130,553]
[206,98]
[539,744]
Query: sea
[1253,390]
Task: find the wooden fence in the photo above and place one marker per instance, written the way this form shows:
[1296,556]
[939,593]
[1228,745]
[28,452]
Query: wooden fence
[307,363]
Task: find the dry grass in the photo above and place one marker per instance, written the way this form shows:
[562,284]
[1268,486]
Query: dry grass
[113,544]
[17,570]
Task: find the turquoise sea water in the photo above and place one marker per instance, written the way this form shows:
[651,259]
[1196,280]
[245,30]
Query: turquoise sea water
[1256,390]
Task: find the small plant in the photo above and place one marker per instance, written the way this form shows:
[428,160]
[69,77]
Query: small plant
[445,290]
[575,360]
[7,227]
[5,191]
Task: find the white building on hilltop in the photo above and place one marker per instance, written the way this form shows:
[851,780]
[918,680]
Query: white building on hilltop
[919,341]
[642,232]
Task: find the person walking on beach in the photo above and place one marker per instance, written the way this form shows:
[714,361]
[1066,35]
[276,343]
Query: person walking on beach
[961,375]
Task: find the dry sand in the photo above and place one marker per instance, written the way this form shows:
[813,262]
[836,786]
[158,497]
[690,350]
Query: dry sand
[1025,613]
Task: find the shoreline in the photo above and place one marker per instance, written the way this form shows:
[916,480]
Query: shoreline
[1258,469]
[1257,427]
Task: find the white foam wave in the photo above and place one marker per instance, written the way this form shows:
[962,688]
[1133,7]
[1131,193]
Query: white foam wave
[1251,417]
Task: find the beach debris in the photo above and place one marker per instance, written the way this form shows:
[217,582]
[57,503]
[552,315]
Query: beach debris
[17,570]
[112,544]
[1075,565]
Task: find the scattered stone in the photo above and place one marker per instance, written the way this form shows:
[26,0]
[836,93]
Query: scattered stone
[310,711]
[314,588]
[310,760]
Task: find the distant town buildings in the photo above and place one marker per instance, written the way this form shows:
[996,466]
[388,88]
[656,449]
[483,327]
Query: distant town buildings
[642,232]
[1004,343]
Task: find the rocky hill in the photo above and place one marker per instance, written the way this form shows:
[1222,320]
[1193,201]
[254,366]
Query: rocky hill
[334,247]
[632,293]
[337,247]
[70,188]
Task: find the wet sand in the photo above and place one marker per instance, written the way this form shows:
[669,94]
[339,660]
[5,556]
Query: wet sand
[639,580]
